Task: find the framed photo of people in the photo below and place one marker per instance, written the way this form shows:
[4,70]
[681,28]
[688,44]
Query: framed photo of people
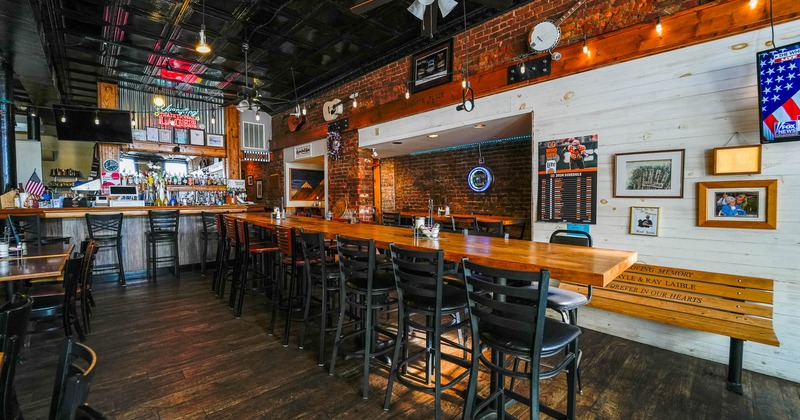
[432,67]
[567,170]
[750,204]
[649,174]
[645,221]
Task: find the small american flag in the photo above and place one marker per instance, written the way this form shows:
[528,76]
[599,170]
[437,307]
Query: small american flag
[34,185]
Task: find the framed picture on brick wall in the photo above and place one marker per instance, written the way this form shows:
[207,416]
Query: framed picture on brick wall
[432,67]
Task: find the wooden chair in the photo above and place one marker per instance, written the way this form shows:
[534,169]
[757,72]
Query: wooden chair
[53,300]
[76,367]
[507,315]
[223,254]
[14,316]
[390,219]
[461,223]
[423,301]
[495,228]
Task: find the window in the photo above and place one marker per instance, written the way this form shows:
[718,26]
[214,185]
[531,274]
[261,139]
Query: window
[253,136]
[177,167]
[127,166]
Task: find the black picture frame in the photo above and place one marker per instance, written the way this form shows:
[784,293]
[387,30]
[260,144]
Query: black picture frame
[181,136]
[432,67]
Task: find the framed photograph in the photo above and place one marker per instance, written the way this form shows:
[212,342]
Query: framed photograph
[152,134]
[215,140]
[737,160]
[197,137]
[165,135]
[645,221]
[738,204]
[139,134]
[657,174]
[249,179]
[181,136]
[259,189]
[432,67]
[304,184]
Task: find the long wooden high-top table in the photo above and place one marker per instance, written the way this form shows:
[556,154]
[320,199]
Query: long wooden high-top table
[589,266]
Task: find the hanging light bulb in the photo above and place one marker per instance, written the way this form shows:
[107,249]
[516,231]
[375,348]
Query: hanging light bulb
[753,4]
[203,47]
[463,83]
[522,68]
[63,116]
[585,47]
[408,93]
[133,119]
[33,112]
[214,117]
[258,116]
[158,100]
[304,111]
[659,28]
[96,118]
[355,101]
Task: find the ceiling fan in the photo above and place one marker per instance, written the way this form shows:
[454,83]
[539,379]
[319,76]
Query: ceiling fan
[427,15]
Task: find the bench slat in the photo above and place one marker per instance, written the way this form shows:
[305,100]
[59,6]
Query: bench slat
[692,321]
[697,286]
[704,276]
[713,315]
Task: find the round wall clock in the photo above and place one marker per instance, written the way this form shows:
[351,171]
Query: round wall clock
[479,179]
[110,165]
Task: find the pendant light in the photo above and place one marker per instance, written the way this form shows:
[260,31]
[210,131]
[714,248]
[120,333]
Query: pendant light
[203,47]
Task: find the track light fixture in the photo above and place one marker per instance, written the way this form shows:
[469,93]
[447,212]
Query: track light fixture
[467,100]
[203,47]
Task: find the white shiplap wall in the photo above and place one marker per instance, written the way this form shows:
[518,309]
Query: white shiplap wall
[694,98]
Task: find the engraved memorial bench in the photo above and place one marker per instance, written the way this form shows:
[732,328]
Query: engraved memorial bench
[738,307]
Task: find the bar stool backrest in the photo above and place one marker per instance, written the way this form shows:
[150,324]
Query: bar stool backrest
[571,237]
[460,223]
[104,225]
[313,246]
[356,260]
[418,274]
[209,222]
[490,227]
[25,228]
[230,230]
[14,316]
[285,240]
[163,222]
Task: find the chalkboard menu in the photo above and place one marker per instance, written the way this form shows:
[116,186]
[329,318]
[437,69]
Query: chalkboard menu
[568,180]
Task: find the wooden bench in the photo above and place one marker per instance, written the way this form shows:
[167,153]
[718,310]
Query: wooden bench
[735,306]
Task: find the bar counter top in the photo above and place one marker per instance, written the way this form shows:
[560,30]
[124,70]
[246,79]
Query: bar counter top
[74,212]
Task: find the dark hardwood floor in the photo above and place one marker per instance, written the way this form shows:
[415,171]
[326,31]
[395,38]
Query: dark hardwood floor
[172,350]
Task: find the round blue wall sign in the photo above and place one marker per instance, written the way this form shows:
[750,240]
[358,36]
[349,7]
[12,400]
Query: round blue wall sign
[479,179]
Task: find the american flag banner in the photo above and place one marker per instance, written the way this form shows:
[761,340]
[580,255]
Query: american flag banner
[779,93]
[34,185]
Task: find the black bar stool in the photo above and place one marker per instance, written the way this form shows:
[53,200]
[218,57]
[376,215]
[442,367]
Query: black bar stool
[320,271]
[163,230]
[106,230]
[223,254]
[28,229]
[210,233]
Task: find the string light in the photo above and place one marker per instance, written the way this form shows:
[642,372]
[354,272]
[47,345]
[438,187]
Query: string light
[408,93]
[159,101]
[304,111]
[63,116]
[133,119]
[214,117]
[585,47]
[258,116]
[355,101]
[96,118]
[522,68]
[659,28]
[753,4]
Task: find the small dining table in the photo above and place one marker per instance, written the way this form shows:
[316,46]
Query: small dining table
[582,265]
[36,262]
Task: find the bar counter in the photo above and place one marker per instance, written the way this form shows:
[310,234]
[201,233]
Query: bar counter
[70,222]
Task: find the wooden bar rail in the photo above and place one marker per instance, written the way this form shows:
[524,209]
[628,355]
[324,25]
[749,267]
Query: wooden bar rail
[735,306]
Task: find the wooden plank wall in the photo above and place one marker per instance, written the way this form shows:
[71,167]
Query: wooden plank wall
[695,98]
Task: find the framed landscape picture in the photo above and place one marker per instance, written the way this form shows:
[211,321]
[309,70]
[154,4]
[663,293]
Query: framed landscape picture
[738,204]
[432,67]
[215,140]
[657,174]
[197,137]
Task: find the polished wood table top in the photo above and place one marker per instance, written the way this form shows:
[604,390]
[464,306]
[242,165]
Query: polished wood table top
[507,220]
[590,266]
[38,251]
[48,261]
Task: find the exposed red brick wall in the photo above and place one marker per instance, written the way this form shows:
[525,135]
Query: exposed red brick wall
[271,174]
[443,176]
[351,177]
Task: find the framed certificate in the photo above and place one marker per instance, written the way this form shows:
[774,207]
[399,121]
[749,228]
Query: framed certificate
[165,135]
[197,137]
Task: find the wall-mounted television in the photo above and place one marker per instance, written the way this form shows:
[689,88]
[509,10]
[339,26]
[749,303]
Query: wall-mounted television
[779,93]
[79,124]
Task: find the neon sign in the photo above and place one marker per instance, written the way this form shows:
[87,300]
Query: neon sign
[479,179]
[170,115]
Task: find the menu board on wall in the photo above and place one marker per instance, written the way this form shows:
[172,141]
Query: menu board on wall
[568,180]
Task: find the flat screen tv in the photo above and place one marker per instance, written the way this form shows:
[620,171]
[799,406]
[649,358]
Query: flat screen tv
[79,124]
[779,93]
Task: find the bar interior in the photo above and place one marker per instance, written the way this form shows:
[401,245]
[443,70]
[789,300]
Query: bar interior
[399,209]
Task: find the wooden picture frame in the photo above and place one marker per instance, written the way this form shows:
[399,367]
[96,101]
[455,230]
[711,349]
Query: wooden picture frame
[215,140]
[432,67]
[165,135]
[197,137]
[181,136]
[656,174]
[152,134]
[645,221]
[259,189]
[738,204]
[737,160]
